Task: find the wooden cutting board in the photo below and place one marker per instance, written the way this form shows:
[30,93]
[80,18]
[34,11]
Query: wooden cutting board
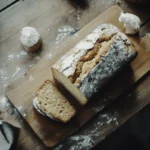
[51,132]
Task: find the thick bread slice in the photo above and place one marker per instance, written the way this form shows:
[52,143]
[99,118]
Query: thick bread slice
[49,102]
[93,61]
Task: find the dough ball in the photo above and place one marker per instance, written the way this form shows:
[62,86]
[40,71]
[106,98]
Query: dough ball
[131,22]
[30,39]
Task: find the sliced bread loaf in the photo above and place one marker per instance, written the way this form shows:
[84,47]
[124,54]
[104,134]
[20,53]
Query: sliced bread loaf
[49,102]
[94,61]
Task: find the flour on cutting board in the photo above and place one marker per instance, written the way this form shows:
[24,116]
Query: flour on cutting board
[84,139]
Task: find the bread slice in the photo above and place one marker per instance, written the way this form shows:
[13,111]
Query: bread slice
[93,61]
[49,102]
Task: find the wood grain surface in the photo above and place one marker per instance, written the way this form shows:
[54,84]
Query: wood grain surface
[45,17]
[51,132]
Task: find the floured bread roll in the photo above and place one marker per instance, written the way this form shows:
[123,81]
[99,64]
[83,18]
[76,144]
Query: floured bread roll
[93,61]
[30,39]
[49,102]
[131,22]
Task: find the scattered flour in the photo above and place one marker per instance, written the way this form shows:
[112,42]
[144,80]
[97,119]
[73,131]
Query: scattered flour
[83,142]
[11,57]
[31,78]
[25,115]
[64,32]
[3,79]
[58,147]
[85,138]
[17,70]
[3,102]
[109,2]
[49,56]
[20,108]
[97,108]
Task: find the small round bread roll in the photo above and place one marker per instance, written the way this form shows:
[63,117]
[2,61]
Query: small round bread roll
[131,22]
[30,39]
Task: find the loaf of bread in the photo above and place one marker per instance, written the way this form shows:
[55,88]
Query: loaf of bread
[49,102]
[93,61]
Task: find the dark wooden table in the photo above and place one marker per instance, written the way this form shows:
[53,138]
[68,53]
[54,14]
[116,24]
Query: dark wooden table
[47,16]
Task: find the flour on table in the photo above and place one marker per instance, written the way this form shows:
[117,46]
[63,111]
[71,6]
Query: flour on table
[3,102]
[25,115]
[24,61]
[11,57]
[31,78]
[63,32]
[3,78]
[20,108]
[17,70]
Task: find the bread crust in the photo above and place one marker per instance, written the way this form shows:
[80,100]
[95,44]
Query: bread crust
[96,58]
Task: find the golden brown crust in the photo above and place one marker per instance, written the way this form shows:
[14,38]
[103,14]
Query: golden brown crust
[87,62]
[34,48]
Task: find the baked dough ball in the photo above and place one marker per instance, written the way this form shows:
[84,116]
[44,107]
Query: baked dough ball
[30,39]
[131,22]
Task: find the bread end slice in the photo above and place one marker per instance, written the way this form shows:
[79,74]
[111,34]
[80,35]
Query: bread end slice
[63,80]
[50,102]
